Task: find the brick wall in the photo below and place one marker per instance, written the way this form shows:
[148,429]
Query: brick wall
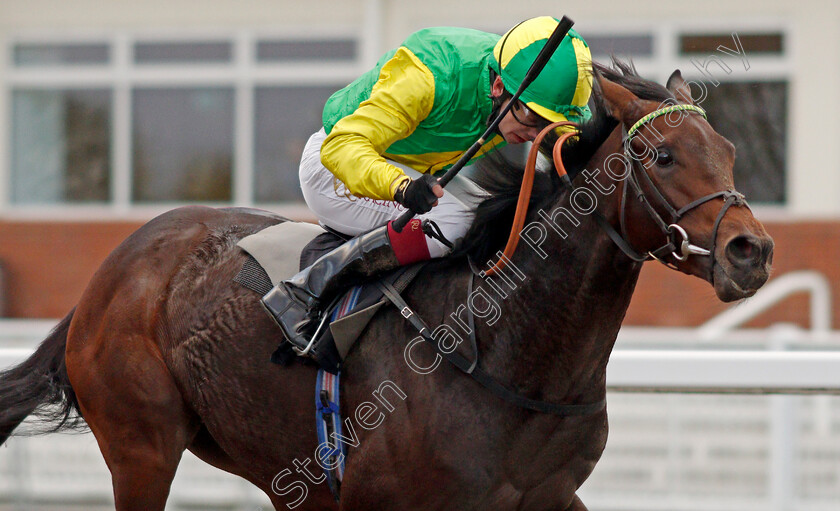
[47,266]
[667,298]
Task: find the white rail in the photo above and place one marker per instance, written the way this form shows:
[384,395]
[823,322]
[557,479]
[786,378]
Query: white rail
[778,366]
[775,291]
[716,358]
[724,371]
[674,370]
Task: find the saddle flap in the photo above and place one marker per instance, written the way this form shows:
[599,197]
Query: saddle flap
[347,329]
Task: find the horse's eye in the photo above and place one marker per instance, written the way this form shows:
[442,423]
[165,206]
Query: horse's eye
[664,158]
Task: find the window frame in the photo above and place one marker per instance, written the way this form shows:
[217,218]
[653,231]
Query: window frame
[666,58]
[245,73]
[763,67]
[122,74]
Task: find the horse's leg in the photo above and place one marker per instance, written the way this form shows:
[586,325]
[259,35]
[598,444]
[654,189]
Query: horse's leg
[205,447]
[131,402]
[576,505]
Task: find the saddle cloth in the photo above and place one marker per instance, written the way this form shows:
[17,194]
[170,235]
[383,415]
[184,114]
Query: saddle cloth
[280,251]
[278,248]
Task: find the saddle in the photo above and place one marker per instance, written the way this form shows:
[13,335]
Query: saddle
[278,252]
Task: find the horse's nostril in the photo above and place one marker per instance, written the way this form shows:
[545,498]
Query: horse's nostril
[744,250]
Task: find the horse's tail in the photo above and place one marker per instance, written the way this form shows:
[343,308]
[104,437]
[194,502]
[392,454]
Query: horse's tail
[40,385]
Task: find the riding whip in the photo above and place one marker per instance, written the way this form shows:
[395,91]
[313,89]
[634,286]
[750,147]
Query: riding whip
[536,68]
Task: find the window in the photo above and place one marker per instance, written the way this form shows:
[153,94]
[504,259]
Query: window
[143,120]
[602,46]
[61,146]
[26,55]
[762,43]
[153,120]
[182,53]
[745,76]
[285,117]
[746,99]
[182,144]
[753,116]
[279,51]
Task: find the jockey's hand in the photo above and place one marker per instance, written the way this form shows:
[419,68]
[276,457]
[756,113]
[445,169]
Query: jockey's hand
[421,194]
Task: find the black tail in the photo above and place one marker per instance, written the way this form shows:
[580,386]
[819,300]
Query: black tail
[40,386]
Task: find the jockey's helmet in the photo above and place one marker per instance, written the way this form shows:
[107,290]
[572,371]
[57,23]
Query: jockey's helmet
[562,89]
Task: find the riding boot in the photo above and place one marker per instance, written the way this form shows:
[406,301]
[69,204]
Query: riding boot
[295,304]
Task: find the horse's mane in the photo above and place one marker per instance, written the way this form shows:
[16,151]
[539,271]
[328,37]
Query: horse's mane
[502,178]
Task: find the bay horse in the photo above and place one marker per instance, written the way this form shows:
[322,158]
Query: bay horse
[164,352]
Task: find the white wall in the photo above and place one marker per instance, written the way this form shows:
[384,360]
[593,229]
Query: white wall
[812,40]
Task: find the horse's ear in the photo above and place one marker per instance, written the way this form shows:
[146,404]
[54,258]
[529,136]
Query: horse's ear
[623,104]
[681,90]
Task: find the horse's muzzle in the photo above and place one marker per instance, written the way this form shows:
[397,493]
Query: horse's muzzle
[742,266]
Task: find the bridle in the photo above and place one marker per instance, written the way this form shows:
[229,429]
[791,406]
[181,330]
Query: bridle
[677,243]
[670,229]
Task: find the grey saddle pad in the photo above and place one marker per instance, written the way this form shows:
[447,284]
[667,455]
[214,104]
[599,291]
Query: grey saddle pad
[277,248]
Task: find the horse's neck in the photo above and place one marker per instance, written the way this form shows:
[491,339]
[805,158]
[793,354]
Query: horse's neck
[568,310]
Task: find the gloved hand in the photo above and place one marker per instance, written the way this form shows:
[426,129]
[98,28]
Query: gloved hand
[420,195]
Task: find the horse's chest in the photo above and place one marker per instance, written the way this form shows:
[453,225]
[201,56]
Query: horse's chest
[532,470]
[543,462]
[535,465]
[571,445]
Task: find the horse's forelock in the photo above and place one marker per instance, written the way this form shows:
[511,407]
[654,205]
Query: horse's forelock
[625,74]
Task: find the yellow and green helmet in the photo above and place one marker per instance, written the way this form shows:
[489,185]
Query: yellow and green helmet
[562,89]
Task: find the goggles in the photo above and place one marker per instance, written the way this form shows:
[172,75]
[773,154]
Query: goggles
[527,117]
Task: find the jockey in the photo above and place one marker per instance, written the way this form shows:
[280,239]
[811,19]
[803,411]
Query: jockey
[388,132]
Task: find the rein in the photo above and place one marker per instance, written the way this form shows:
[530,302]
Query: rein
[670,230]
[676,236]
[527,185]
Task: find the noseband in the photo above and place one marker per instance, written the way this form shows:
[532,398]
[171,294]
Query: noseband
[677,242]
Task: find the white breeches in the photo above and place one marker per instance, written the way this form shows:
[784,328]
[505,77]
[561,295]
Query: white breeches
[337,208]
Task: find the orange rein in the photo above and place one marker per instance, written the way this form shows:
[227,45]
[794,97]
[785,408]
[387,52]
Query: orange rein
[528,184]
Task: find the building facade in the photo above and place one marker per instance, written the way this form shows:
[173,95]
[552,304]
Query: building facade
[113,112]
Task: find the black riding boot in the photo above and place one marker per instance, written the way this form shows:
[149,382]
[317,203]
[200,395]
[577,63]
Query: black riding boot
[296,303]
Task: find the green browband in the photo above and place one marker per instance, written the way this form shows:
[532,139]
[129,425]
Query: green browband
[663,111]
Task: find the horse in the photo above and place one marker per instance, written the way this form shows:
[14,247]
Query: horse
[165,353]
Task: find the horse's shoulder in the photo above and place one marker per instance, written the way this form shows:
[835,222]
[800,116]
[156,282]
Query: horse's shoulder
[441,284]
